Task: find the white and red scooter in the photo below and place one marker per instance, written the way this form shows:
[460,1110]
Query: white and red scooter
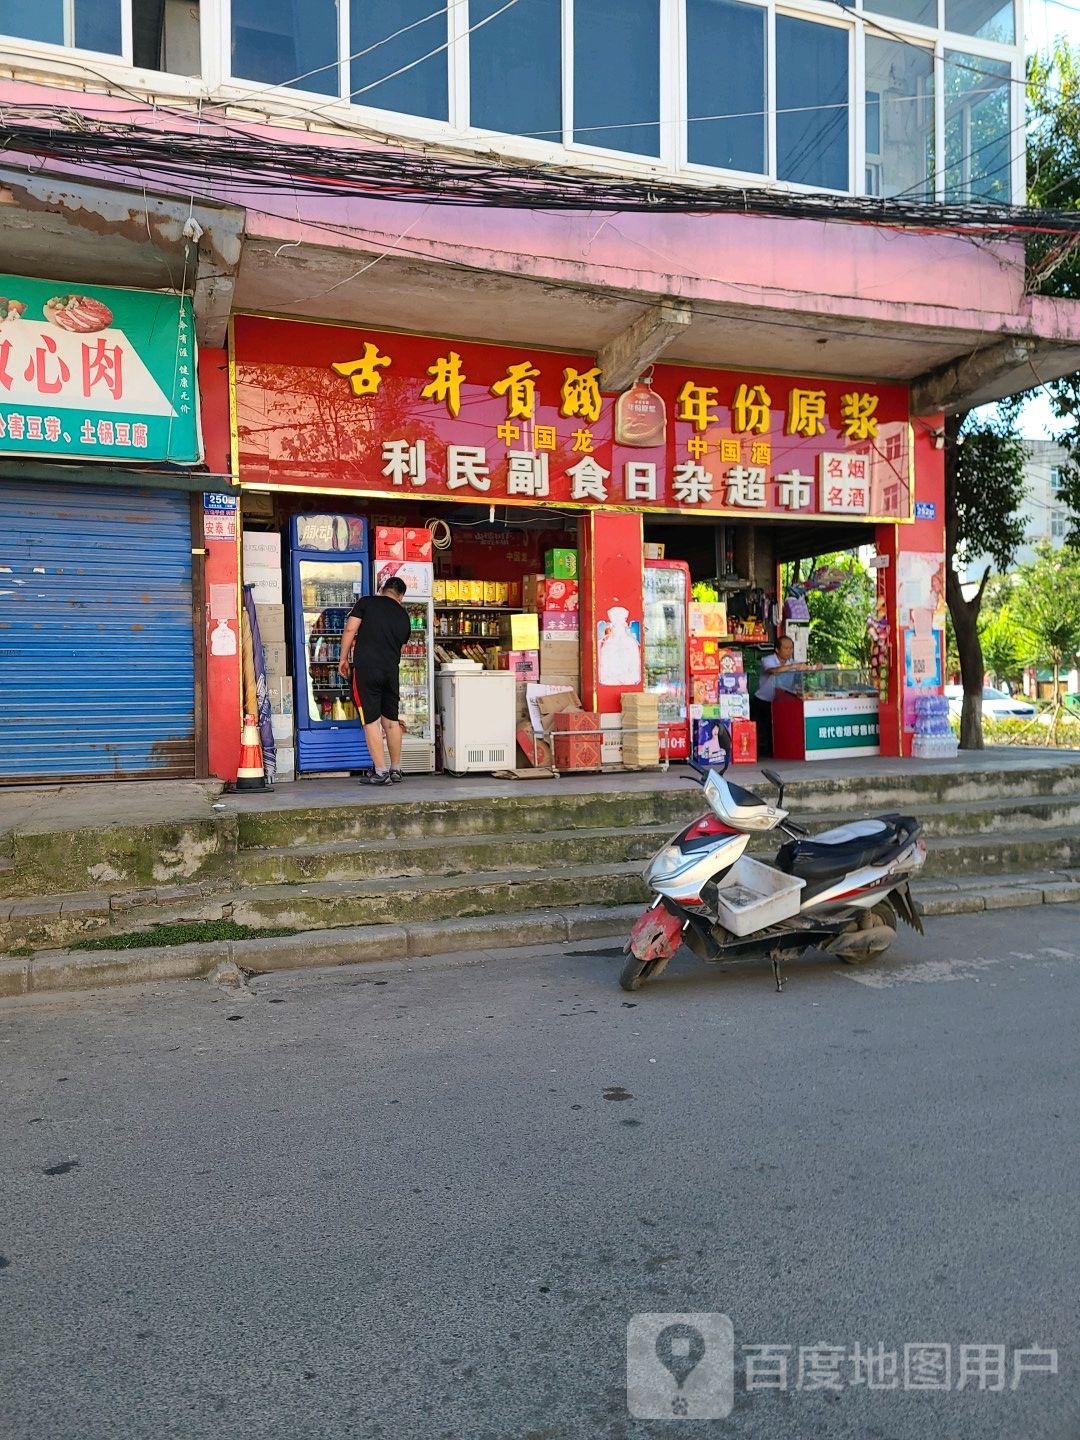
[841,891]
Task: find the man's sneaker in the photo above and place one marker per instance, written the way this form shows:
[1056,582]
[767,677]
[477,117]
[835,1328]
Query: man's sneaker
[372,777]
[396,775]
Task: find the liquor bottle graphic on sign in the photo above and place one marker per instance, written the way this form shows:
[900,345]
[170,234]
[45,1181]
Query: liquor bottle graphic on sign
[640,416]
[618,649]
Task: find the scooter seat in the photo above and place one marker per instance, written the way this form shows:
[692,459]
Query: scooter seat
[845,848]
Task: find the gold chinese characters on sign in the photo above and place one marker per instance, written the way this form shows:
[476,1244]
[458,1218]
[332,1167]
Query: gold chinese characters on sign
[735,431]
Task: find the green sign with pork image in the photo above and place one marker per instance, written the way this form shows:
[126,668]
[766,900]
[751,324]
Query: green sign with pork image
[95,373]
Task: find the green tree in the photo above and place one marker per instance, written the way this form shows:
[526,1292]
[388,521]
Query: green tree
[1004,646]
[1053,165]
[984,462]
[838,633]
[1048,598]
[984,486]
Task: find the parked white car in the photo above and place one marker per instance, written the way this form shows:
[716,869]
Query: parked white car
[996,703]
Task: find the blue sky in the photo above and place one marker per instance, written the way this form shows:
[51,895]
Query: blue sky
[1044,20]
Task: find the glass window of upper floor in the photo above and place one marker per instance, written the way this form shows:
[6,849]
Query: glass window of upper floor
[913,98]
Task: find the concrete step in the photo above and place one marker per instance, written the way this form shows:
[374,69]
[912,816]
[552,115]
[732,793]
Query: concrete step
[500,815]
[996,816]
[918,784]
[674,801]
[449,855]
[968,894]
[463,854]
[362,883]
[326,904]
[51,971]
[986,856]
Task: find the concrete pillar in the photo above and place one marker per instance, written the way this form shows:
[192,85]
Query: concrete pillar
[610,546]
[222,576]
[925,535]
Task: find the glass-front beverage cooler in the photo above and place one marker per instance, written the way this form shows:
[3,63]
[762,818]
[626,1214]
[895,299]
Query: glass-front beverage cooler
[329,567]
[667,609]
[417,690]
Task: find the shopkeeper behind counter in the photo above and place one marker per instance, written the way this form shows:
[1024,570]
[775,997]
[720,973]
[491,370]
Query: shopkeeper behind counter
[778,671]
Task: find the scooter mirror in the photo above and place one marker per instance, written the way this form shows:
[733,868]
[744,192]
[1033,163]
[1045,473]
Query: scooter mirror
[774,779]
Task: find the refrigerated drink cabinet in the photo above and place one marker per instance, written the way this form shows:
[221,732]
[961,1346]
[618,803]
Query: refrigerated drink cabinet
[418,690]
[329,569]
[667,609]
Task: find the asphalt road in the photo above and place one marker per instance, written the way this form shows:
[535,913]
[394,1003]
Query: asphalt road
[427,1203]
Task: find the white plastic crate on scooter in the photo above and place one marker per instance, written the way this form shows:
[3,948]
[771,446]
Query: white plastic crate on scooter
[752,896]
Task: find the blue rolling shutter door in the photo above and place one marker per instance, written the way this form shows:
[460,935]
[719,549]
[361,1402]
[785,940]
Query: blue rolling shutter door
[96,664]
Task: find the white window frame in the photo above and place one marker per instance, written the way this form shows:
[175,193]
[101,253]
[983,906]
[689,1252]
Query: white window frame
[665,160]
[983,50]
[278,104]
[49,47]
[708,173]
[828,15]
[925,42]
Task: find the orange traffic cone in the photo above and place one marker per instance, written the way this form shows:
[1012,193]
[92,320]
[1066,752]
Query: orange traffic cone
[250,775]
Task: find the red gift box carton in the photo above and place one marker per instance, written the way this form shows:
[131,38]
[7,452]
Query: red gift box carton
[703,689]
[534,749]
[743,742]
[418,544]
[559,595]
[704,654]
[577,740]
[389,542]
[730,662]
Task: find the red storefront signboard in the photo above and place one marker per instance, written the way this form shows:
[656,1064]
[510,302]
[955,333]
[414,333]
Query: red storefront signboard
[351,410]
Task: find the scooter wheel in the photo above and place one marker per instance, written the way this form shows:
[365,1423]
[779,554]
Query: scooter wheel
[635,972]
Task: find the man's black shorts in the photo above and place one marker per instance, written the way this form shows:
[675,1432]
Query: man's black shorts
[376,696]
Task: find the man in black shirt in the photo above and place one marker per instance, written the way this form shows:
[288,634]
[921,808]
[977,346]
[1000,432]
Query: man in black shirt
[375,633]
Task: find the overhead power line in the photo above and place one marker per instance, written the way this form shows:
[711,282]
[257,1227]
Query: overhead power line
[251,164]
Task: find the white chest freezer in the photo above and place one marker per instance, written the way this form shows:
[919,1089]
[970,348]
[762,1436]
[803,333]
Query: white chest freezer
[477,711]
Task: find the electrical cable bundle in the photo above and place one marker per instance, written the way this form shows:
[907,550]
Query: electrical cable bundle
[251,163]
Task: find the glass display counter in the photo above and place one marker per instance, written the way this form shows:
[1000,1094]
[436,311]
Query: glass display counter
[826,714]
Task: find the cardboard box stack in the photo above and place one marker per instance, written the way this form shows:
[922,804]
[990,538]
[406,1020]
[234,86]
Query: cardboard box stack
[526,667]
[715,720]
[718,687]
[554,598]
[566,733]
[706,633]
[262,566]
[641,730]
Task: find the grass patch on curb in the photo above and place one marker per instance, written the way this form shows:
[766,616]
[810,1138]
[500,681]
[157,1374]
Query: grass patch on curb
[192,932]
